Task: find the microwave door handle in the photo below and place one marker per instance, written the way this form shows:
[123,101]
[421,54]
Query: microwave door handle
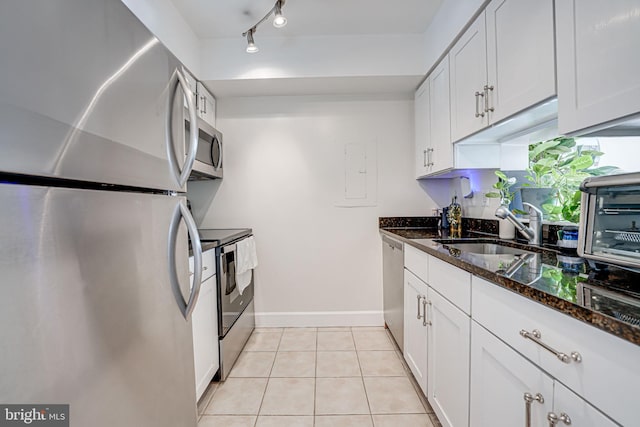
[181,174]
[186,307]
[218,165]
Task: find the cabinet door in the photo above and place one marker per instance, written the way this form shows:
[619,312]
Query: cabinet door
[415,330]
[204,323]
[193,85]
[421,123]
[206,105]
[449,352]
[520,55]
[468,62]
[500,378]
[578,411]
[440,118]
[598,62]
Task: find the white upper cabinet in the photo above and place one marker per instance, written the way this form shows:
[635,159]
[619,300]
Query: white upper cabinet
[440,118]
[520,55]
[598,62]
[503,64]
[434,151]
[193,86]
[206,105]
[468,62]
[422,131]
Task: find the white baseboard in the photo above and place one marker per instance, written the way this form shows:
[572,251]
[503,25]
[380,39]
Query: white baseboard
[319,319]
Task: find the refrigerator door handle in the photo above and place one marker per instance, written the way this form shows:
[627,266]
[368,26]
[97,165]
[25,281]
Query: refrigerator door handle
[186,307]
[181,174]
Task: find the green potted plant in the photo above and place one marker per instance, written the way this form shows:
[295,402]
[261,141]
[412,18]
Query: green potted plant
[503,189]
[505,194]
[561,165]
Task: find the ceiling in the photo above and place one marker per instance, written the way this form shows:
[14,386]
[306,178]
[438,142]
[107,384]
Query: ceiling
[230,18]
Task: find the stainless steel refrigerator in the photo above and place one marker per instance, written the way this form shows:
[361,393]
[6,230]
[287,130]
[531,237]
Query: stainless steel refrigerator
[94,284]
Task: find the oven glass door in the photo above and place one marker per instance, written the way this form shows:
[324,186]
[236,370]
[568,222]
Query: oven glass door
[616,226]
[232,304]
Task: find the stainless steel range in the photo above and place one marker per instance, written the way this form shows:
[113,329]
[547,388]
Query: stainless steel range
[236,315]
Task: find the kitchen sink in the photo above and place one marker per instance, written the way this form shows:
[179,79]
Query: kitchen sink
[486,248]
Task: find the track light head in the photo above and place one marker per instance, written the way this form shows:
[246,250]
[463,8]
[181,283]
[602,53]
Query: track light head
[251,46]
[279,21]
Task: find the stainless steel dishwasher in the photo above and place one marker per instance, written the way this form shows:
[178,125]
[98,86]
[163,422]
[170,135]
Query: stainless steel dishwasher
[393,287]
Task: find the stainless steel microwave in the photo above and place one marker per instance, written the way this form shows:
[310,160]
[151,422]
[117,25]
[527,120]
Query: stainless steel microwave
[610,220]
[208,163]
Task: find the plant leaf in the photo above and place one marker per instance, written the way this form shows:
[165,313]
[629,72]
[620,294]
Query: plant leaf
[501,175]
[582,162]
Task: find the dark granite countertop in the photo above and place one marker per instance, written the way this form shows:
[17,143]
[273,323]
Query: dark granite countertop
[608,299]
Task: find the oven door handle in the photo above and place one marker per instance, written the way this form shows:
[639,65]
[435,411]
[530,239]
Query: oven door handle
[181,212]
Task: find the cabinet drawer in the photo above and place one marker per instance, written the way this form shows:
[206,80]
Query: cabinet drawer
[451,282]
[609,368]
[416,261]
[208,264]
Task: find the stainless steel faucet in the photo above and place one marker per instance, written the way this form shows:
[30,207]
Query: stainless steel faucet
[534,232]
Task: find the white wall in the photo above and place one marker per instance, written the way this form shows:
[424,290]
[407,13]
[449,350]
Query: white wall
[167,24]
[283,171]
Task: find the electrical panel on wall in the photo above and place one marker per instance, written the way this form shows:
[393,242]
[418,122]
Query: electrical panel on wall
[358,185]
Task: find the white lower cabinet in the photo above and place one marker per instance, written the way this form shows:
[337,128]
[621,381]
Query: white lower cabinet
[500,380]
[204,325]
[507,390]
[415,327]
[448,357]
[568,407]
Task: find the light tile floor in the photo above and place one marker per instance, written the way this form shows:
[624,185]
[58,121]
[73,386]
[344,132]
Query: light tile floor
[317,377]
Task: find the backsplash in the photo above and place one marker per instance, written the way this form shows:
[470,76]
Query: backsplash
[472,227]
[408,222]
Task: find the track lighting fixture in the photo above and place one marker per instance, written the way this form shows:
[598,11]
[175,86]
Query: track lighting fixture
[251,46]
[279,21]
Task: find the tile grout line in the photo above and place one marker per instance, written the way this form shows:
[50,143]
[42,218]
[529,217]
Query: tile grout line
[364,387]
[315,383]
[264,393]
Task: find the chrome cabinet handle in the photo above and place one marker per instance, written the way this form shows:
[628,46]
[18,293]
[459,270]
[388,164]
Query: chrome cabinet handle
[535,336]
[204,105]
[419,298]
[478,112]
[181,212]
[487,88]
[425,322]
[430,151]
[554,419]
[181,174]
[528,399]
[424,312]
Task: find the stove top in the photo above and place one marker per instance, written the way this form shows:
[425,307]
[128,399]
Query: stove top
[222,236]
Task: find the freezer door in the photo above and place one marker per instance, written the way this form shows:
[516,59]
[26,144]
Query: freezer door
[89,317]
[85,90]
